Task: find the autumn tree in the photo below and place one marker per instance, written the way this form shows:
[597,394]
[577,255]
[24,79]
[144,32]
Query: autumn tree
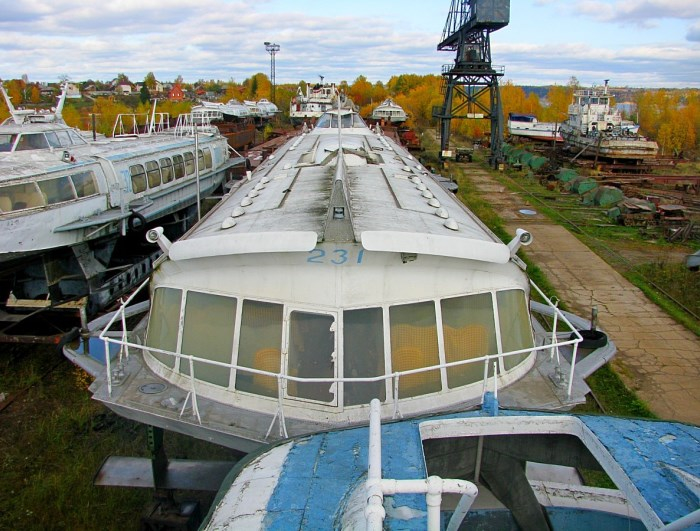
[558,98]
[106,110]
[360,92]
[73,118]
[150,81]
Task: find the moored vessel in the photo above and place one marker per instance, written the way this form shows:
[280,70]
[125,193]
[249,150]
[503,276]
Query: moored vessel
[595,128]
[67,201]
[339,271]
[389,112]
[528,127]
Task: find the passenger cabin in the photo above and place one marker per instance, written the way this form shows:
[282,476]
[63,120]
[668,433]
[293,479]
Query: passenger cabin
[340,271]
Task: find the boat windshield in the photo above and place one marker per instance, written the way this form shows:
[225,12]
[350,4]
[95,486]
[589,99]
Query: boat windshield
[330,120]
[61,138]
[7,141]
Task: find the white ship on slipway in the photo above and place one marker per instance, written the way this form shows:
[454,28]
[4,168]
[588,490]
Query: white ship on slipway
[339,271]
[595,128]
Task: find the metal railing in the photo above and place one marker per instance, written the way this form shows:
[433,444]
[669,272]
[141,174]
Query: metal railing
[495,360]
[131,124]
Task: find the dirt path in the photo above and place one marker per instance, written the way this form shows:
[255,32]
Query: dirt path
[656,357]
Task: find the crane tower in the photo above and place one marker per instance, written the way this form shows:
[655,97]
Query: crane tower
[470,84]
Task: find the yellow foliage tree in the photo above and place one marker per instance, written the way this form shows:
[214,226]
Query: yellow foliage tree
[106,111]
[559,98]
[72,117]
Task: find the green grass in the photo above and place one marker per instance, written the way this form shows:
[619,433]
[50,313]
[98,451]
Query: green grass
[54,438]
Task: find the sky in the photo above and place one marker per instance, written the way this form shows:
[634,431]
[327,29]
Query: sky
[635,43]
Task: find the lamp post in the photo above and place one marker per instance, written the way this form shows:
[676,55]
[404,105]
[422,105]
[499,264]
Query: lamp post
[272,49]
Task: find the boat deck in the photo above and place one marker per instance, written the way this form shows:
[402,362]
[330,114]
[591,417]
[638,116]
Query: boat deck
[309,482]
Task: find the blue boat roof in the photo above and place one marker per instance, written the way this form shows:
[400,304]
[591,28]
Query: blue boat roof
[321,470]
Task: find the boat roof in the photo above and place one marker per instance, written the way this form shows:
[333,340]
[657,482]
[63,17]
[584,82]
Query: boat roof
[27,164]
[388,202]
[306,482]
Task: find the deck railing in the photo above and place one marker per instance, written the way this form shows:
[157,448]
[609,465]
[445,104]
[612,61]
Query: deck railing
[489,360]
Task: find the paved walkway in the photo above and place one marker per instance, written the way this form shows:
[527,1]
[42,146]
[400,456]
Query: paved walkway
[656,357]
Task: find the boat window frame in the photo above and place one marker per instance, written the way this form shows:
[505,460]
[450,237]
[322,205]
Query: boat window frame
[26,142]
[167,169]
[138,178]
[336,391]
[153,175]
[189,163]
[179,166]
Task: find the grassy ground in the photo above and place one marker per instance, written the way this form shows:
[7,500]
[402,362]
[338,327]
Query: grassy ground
[54,439]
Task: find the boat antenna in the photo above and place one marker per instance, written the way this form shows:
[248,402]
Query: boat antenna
[61,102]
[151,127]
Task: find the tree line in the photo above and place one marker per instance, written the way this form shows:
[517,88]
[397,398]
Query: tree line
[669,116]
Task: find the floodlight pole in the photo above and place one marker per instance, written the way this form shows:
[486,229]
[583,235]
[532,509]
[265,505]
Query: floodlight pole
[272,49]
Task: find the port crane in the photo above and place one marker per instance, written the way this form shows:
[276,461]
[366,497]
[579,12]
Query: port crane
[470,84]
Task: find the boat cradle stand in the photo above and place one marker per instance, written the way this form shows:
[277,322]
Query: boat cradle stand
[164,476]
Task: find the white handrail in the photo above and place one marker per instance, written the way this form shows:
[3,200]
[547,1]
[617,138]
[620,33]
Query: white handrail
[284,378]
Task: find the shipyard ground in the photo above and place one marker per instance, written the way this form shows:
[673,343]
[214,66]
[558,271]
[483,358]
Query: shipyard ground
[657,357]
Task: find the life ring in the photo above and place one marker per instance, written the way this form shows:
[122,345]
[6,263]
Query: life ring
[609,128]
[132,222]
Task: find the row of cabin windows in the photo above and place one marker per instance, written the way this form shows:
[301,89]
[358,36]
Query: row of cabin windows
[14,197]
[215,328]
[51,139]
[154,173]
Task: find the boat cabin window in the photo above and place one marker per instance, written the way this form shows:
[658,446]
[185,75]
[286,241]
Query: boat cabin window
[31,141]
[269,337]
[469,331]
[259,347]
[57,190]
[205,161]
[84,183]
[516,329]
[414,344]
[153,172]
[166,168]
[7,141]
[138,178]
[363,355]
[179,166]
[189,162]
[52,139]
[16,197]
[164,324]
[330,120]
[50,191]
[311,355]
[207,332]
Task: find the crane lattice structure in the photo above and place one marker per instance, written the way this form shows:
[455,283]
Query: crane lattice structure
[470,85]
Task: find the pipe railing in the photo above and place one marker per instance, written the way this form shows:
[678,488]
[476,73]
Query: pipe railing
[433,487]
[497,359]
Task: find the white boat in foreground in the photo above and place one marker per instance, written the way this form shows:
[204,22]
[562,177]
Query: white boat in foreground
[595,128]
[338,272]
[527,126]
